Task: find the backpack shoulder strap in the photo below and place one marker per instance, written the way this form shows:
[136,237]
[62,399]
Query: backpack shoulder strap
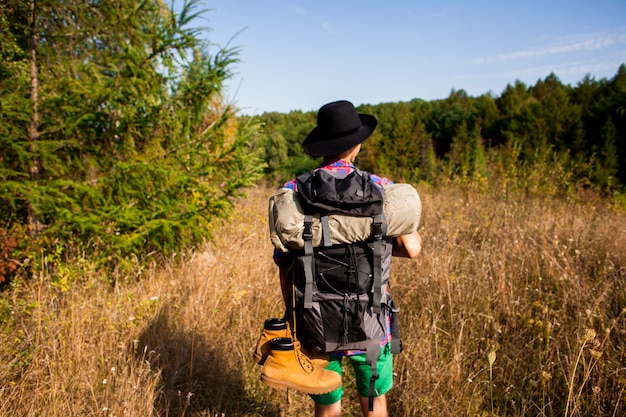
[326,238]
[379,230]
[307,259]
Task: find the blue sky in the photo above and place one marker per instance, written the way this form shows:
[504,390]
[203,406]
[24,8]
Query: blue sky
[298,55]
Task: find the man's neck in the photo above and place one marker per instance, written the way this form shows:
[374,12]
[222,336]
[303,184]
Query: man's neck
[335,160]
[348,156]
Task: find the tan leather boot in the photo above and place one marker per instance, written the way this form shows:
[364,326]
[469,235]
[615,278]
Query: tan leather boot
[319,359]
[272,329]
[287,367]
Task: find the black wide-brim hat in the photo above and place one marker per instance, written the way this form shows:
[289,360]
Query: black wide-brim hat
[339,128]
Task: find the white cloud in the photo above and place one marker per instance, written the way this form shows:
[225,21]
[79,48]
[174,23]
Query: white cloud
[594,43]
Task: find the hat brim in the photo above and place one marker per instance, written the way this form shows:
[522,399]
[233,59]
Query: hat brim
[317,143]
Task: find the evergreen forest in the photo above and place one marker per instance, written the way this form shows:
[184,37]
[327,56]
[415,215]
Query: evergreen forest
[579,131]
[115,139]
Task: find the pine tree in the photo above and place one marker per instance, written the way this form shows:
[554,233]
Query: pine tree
[400,136]
[607,162]
[135,149]
[467,153]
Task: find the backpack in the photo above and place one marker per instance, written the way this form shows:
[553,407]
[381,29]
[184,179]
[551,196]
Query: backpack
[341,293]
[337,226]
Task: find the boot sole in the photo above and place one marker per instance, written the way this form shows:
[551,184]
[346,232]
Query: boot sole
[282,385]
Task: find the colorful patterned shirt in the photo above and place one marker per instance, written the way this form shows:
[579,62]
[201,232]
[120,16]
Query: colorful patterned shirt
[341,166]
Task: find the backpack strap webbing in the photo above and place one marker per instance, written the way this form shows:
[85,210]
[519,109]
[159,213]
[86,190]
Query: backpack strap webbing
[379,229]
[396,339]
[325,230]
[372,353]
[307,259]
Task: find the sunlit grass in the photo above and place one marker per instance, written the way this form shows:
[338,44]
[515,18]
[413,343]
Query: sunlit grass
[515,307]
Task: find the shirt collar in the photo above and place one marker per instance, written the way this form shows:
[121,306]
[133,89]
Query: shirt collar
[341,163]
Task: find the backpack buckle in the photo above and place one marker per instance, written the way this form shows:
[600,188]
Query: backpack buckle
[377,231]
[307,233]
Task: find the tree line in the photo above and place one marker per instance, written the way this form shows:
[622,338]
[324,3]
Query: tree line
[580,130]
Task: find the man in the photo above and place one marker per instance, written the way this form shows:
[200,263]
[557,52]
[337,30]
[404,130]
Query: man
[337,138]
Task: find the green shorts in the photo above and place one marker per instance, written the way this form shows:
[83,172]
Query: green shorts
[363,373]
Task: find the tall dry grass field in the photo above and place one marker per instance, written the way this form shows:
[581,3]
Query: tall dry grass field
[515,307]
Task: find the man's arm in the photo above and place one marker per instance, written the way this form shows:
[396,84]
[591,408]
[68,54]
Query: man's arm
[407,246]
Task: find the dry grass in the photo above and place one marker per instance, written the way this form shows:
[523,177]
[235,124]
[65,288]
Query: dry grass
[515,308]
[530,281]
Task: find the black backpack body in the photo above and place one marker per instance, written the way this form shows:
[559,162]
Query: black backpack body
[342,299]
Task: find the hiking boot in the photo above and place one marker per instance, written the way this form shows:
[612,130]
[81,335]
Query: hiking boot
[287,367]
[319,359]
[277,328]
[272,329]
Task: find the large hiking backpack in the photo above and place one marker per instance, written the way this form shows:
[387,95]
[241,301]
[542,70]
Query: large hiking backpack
[341,290]
[331,220]
[340,227]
